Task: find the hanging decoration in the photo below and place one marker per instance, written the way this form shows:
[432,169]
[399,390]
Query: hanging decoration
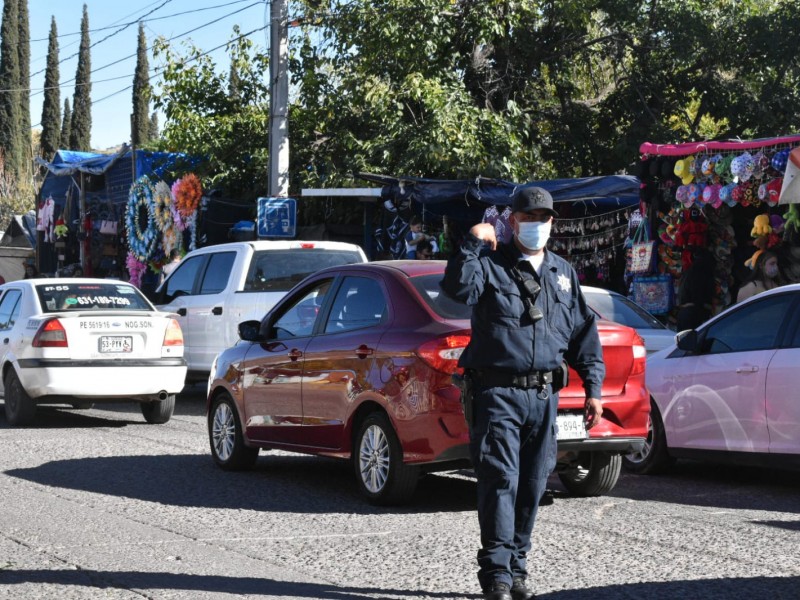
[140,220]
[136,269]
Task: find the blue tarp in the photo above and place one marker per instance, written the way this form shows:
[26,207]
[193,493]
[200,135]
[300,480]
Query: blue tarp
[459,198]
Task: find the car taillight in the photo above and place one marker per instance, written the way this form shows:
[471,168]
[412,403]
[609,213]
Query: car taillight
[443,353]
[639,356]
[51,334]
[173,336]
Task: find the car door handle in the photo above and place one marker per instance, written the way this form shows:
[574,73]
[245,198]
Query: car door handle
[217,310]
[181,312]
[746,369]
[294,354]
[6,340]
[364,351]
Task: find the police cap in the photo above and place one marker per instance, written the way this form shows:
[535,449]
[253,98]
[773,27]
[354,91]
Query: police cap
[527,199]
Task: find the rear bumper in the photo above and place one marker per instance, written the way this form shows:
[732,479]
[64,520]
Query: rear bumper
[616,445]
[136,379]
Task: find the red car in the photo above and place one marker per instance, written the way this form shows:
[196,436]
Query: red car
[356,362]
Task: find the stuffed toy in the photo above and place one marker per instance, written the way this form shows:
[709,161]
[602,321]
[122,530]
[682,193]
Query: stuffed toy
[761,244]
[792,223]
[60,229]
[761,226]
[776,222]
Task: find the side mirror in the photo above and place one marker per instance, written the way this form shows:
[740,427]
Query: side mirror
[250,331]
[687,340]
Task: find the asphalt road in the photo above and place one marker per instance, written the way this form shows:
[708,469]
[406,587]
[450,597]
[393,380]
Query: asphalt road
[98,504]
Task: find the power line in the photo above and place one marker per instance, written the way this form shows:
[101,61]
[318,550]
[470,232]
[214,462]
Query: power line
[110,35]
[156,71]
[180,35]
[143,20]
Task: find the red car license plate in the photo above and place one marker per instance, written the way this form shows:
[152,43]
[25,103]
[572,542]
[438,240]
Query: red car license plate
[571,427]
[115,343]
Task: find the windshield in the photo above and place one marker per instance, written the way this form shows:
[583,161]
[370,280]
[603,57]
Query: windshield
[280,270]
[441,303]
[618,308]
[88,296]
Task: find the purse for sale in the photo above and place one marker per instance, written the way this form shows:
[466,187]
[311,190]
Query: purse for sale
[643,252]
[108,227]
[654,293]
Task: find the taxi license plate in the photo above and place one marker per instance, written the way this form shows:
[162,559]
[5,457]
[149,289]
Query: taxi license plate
[571,427]
[115,343]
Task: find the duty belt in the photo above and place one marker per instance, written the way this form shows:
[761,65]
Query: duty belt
[534,379]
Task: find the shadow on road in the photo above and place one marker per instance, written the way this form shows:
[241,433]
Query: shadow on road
[752,588]
[718,486]
[326,485]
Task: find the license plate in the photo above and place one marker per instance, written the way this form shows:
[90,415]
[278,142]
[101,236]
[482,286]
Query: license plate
[115,343]
[571,427]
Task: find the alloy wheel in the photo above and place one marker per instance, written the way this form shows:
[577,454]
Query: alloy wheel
[374,459]
[223,432]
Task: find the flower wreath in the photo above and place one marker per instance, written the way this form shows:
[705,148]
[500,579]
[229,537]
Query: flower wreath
[187,192]
[142,237]
[162,202]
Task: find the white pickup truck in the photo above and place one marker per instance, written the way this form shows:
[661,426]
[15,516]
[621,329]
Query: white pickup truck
[215,288]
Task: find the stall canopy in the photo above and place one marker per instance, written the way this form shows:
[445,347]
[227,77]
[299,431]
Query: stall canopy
[469,198]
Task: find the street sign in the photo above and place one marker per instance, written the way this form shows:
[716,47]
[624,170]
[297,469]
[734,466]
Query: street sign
[277,217]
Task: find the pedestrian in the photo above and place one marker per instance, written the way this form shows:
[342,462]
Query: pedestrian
[696,291]
[30,271]
[528,315]
[77,270]
[425,250]
[174,259]
[414,237]
[766,276]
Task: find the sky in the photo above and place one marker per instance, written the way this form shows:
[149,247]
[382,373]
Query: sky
[113,54]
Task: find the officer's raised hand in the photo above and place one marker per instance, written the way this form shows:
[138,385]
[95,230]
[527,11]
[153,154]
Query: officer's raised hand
[592,412]
[485,233]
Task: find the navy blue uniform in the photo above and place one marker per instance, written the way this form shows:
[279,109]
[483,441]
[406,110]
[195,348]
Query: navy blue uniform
[513,435]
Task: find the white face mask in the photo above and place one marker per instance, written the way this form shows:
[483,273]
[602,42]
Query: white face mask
[533,234]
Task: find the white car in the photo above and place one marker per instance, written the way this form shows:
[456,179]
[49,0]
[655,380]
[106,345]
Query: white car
[612,306]
[727,391]
[81,341]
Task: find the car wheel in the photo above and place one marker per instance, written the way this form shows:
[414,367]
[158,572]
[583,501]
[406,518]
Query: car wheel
[378,461]
[654,456]
[19,406]
[593,474]
[226,437]
[158,411]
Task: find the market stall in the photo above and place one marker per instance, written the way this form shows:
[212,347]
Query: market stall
[593,223]
[723,197]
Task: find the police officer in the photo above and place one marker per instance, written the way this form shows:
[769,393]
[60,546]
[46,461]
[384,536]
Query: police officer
[528,314]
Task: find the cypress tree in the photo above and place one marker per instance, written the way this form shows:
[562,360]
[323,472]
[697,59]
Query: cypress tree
[154,133]
[66,126]
[25,83]
[80,135]
[9,83]
[140,124]
[51,105]
[234,82]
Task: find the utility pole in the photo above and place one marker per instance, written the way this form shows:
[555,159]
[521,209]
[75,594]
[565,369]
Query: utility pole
[279,100]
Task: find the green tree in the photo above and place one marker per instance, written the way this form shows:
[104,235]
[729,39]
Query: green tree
[51,104]
[66,126]
[203,120]
[153,132]
[10,133]
[140,124]
[25,82]
[80,136]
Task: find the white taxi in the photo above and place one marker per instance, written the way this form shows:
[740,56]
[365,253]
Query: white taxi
[81,341]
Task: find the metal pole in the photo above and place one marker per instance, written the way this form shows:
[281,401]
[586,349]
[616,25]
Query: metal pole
[82,204]
[279,100]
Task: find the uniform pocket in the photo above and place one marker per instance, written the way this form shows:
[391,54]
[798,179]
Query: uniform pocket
[563,321]
[506,307]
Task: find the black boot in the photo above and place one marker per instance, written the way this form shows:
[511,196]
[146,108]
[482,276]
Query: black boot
[497,591]
[521,591]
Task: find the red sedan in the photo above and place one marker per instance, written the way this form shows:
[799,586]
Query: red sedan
[356,363]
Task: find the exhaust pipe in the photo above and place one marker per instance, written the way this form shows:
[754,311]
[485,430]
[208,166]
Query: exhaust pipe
[163,395]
